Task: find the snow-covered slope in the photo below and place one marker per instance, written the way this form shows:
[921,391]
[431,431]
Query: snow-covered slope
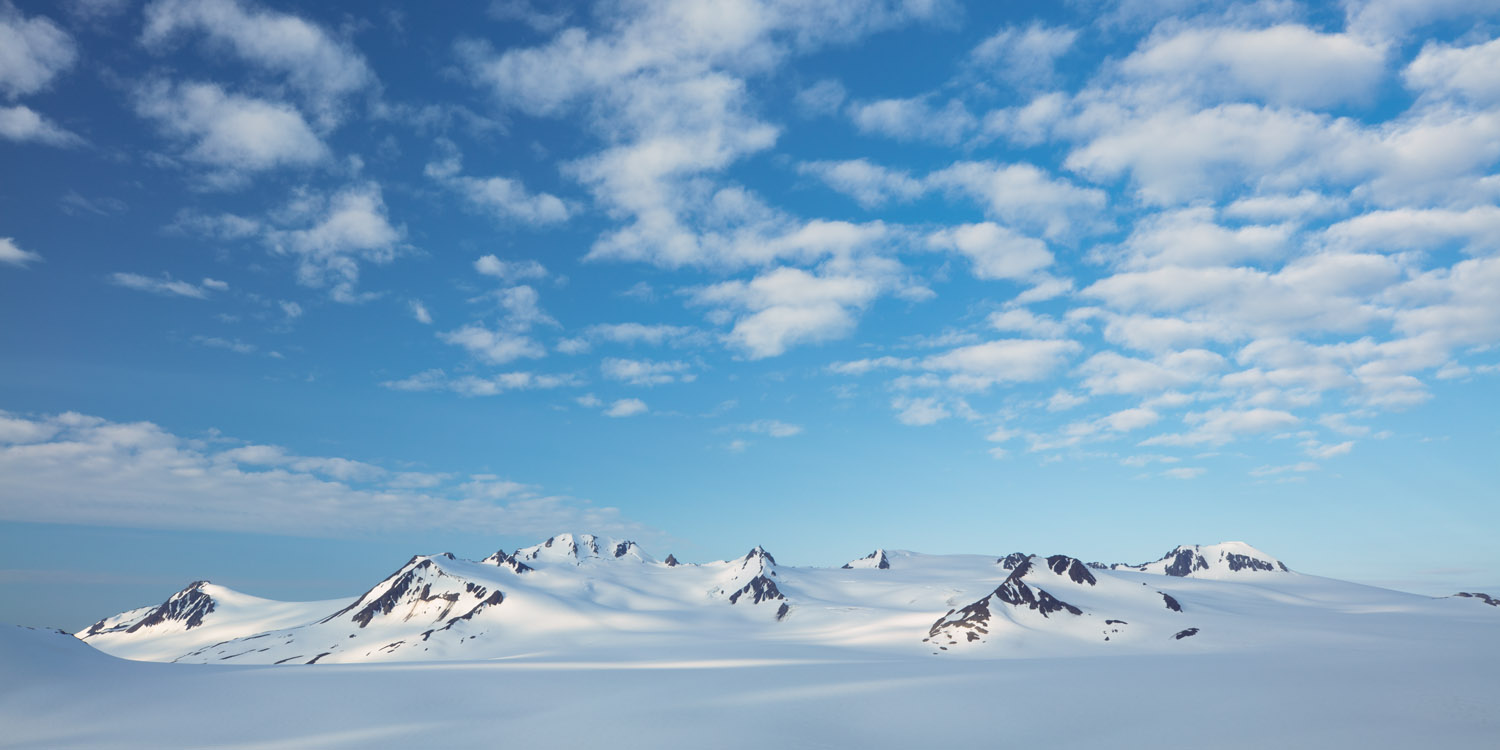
[587,594]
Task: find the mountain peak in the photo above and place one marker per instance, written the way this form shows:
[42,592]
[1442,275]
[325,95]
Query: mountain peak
[875,560]
[1225,559]
[578,548]
[188,607]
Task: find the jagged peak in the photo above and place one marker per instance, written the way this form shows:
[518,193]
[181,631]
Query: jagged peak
[671,561]
[1013,560]
[876,560]
[502,560]
[758,555]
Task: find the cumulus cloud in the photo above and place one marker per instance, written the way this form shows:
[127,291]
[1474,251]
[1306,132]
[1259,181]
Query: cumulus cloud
[1024,195]
[501,197]
[646,372]
[915,119]
[493,346]
[23,125]
[322,69]
[510,271]
[789,306]
[919,411]
[995,251]
[1286,64]
[626,407]
[13,255]
[419,312]
[869,184]
[349,227]
[1024,58]
[1221,426]
[1466,72]
[1003,361]
[233,135]
[33,52]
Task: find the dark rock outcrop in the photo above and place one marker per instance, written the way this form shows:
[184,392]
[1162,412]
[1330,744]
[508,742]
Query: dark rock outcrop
[1486,598]
[1072,567]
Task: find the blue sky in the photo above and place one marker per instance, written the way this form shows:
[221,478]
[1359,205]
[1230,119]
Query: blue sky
[292,292]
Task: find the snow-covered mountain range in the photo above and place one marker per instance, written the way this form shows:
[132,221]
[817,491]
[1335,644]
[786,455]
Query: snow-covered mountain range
[574,593]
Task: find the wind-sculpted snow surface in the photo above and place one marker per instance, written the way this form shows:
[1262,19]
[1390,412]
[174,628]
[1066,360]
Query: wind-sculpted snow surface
[575,593]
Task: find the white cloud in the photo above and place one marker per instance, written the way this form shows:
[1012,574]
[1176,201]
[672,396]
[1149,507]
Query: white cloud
[1476,229]
[826,97]
[12,254]
[1110,372]
[1304,205]
[1025,196]
[1191,237]
[1021,320]
[349,227]
[646,372]
[510,271]
[626,407]
[473,385]
[789,306]
[23,125]
[980,366]
[1321,450]
[641,333]
[501,197]
[1126,420]
[70,468]
[1287,64]
[871,185]
[1468,72]
[919,411]
[313,63]
[493,346]
[995,252]
[1212,148]
[1220,426]
[166,285]
[1396,19]
[1024,58]
[33,51]
[419,311]
[230,133]
[773,427]
[1184,473]
[1063,401]
[914,119]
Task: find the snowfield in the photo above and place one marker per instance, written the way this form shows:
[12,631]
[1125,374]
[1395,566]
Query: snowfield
[583,637]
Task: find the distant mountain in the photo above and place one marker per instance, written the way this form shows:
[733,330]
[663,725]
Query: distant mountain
[586,592]
[1218,561]
[1057,596]
[876,560]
